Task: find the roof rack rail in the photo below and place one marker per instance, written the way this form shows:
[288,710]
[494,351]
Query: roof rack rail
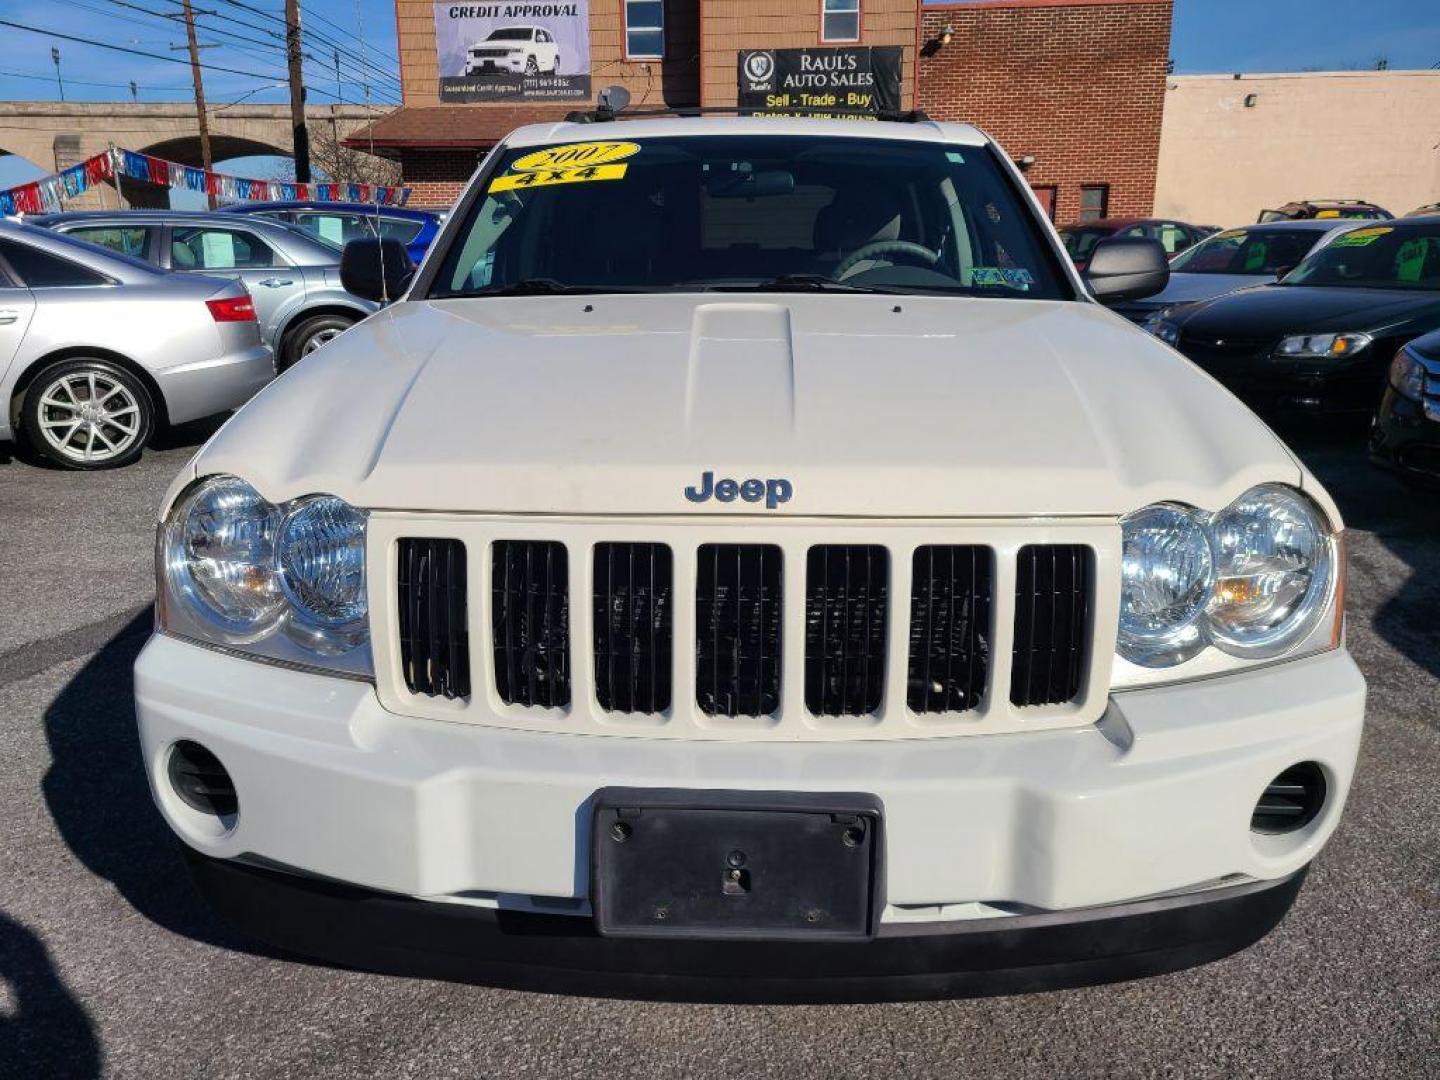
[601,115]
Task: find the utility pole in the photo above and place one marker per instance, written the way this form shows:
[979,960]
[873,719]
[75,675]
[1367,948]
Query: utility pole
[200,118]
[294,57]
[55,59]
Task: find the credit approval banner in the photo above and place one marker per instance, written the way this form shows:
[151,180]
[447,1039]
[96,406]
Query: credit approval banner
[505,51]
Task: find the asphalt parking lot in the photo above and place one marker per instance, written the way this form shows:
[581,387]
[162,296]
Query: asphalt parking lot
[109,965]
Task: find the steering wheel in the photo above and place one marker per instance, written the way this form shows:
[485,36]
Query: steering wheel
[884,247]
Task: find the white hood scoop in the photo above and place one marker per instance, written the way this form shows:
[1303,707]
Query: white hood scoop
[741,374]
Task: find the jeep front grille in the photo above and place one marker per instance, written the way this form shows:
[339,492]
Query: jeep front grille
[846,600]
[530,621]
[434,639]
[1052,614]
[949,628]
[737,622]
[633,627]
[787,630]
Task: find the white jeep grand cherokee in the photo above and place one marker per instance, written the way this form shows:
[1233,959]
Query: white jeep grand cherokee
[749,564]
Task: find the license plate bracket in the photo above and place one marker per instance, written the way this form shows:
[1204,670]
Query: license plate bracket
[744,864]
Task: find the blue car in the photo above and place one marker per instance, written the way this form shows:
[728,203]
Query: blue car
[340,222]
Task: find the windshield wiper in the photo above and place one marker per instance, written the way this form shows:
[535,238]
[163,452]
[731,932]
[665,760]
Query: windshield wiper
[804,283]
[538,286]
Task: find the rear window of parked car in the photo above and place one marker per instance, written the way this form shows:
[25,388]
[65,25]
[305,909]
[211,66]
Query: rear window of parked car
[40,270]
[126,240]
[218,249]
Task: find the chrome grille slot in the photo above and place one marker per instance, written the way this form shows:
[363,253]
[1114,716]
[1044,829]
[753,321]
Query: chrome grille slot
[633,627]
[1052,623]
[846,600]
[950,635]
[431,604]
[738,613]
[530,621]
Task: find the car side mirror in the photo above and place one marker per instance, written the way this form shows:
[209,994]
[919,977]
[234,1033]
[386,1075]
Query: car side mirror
[1127,269]
[376,269]
[1281,271]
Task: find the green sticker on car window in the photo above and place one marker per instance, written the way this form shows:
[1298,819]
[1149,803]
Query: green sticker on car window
[1362,237]
[1006,277]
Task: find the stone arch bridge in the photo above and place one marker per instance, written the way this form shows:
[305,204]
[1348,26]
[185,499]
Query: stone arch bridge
[56,134]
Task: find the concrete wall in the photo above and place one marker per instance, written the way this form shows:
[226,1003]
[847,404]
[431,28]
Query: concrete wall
[1331,134]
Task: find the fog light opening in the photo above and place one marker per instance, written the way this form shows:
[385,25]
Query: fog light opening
[202,783]
[1291,801]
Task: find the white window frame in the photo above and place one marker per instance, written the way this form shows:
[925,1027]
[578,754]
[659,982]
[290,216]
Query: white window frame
[839,7]
[631,54]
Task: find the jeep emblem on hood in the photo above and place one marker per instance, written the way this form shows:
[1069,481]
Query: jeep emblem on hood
[774,492]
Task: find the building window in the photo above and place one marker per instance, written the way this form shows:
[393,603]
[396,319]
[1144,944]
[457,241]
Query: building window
[644,29]
[1094,202]
[839,20]
[1045,193]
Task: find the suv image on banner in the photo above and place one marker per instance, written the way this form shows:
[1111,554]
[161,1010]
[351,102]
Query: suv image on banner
[748,563]
[528,50]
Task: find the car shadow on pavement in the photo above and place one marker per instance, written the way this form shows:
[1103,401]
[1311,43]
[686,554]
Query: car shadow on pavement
[45,1031]
[192,434]
[100,801]
[1404,519]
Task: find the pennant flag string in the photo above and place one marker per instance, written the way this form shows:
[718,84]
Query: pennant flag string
[45,195]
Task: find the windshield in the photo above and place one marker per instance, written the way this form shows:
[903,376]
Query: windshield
[1081,242]
[513,33]
[1261,252]
[1376,257]
[748,213]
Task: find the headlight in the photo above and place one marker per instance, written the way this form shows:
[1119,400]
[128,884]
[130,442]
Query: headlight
[284,583]
[1253,580]
[1159,325]
[1407,375]
[1322,346]
[1168,574]
[1273,555]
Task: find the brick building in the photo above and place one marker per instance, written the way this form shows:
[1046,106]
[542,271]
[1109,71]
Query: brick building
[1076,84]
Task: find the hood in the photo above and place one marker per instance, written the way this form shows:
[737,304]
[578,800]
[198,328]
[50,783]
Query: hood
[862,405]
[1276,310]
[1187,288]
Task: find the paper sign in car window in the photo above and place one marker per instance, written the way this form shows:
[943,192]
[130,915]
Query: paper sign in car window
[332,228]
[1410,260]
[573,163]
[1361,237]
[217,250]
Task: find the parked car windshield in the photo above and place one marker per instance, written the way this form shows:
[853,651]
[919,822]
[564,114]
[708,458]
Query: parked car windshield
[1247,251]
[751,213]
[515,33]
[1376,257]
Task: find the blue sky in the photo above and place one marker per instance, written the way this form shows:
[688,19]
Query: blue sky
[1208,36]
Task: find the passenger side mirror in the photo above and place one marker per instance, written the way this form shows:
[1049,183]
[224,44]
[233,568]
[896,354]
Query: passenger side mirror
[376,269]
[1281,271]
[1126,269]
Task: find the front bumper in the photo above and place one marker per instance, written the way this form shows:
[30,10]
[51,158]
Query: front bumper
[494,64]
[398,935]
[1404,439]
[1154,800]
[206,387]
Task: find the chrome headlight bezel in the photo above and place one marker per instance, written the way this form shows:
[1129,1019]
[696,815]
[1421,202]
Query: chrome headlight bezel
[1338,346]
[292,633]
[1206,642]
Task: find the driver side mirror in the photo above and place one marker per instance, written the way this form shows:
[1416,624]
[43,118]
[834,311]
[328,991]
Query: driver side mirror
[1281,271]
[1127,269]
[376,269]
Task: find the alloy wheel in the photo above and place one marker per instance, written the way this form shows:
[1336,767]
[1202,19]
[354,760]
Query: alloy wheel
[89,416]
[320,337]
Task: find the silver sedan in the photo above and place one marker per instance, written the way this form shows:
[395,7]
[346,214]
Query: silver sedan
[98,349]
[293,275]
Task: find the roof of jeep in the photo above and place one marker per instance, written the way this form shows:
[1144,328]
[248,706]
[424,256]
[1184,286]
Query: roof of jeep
[928,131]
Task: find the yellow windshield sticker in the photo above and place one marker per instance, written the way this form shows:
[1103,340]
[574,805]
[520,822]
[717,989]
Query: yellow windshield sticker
[573,163]
[1327,213]
[1228,234]
[1361,237]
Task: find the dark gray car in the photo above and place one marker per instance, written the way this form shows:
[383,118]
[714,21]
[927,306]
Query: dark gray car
[293,277]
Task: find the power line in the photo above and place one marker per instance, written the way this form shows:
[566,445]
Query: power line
[132,52]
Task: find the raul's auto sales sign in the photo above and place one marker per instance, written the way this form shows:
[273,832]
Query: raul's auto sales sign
[865,79]
[505,50]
